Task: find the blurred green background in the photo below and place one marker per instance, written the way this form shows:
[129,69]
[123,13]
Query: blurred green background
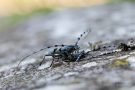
[12,12]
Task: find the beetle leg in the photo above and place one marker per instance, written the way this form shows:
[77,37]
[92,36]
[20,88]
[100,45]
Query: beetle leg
[52,63]
[42,60]
[80,56]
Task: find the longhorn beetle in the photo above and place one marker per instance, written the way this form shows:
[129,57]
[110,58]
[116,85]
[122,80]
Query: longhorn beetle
[65,52]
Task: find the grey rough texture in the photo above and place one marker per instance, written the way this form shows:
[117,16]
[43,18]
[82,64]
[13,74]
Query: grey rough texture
[107,22]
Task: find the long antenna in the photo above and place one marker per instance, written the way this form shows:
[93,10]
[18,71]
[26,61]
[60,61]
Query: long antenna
[78,39]
[38,52]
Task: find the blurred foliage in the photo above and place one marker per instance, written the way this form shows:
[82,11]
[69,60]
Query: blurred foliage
[13,20]
[8,7]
